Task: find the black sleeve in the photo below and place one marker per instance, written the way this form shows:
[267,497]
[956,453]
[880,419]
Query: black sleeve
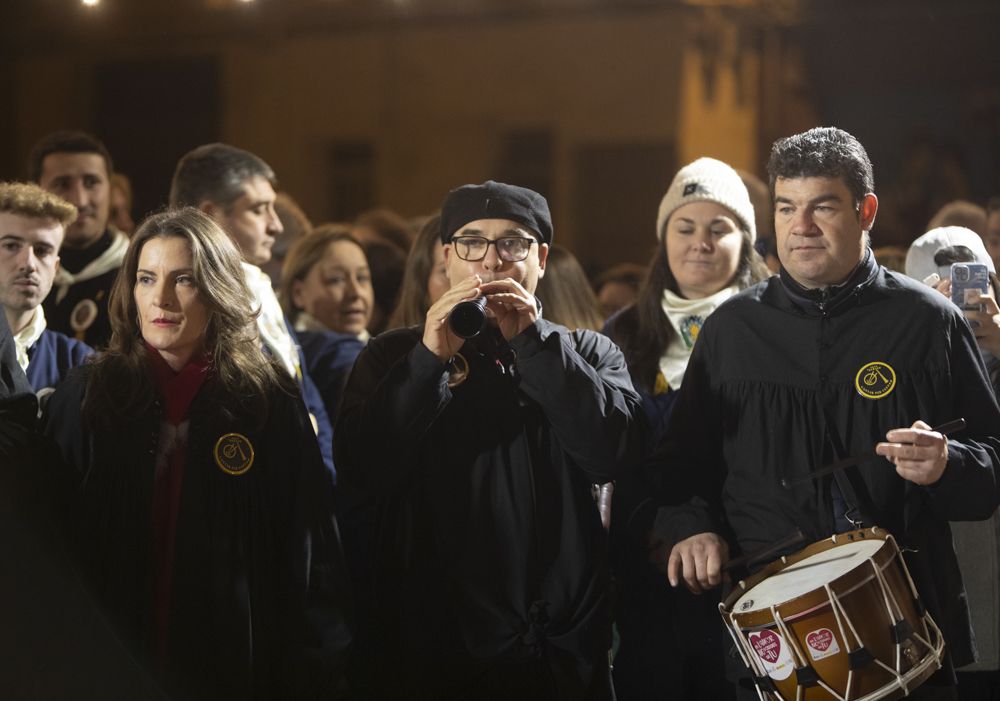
[330,367]
[18,404]
[686,472]
[582,384]
[68,442]
[969,489]
[394,394]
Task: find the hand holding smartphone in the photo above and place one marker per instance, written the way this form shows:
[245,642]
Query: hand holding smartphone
[968,282]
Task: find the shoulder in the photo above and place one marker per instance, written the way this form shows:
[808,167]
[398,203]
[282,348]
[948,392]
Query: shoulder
[331,347]
[78,379]
[61,343]
[595,347]
[621,322]
[394,343]
[744,303]
[920,303]
[896,284]
[63,408]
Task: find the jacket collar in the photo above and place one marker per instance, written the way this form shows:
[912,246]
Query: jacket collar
[826,300]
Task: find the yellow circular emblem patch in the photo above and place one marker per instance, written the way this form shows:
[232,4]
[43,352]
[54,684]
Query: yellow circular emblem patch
[233,453]
[458,370]
[875,380]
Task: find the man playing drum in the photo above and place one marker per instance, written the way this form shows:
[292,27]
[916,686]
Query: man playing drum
[835,357]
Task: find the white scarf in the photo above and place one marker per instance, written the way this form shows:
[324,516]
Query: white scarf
[28,336]
[307,322]
[109,260]
[686,317]
[271,320]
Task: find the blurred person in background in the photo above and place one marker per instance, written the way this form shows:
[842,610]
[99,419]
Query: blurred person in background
[294,225]
[383,225]
[77,167]
[618,287]
[425,278]
[198,504]
[387,265]
[760,198]
[892,257]
[977,543]
[327,294]
[672,642]
[960,213]
[565,293]
[992,236]
[120,214]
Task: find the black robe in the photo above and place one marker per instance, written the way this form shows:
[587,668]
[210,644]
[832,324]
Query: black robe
[488,571]
[54,642]
[258,581]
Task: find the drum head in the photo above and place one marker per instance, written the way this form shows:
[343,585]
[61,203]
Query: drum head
[807,575]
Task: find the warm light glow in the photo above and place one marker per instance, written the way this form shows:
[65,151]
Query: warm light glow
[90,3]
[246,2]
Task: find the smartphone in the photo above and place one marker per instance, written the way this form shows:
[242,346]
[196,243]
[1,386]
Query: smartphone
[968,276]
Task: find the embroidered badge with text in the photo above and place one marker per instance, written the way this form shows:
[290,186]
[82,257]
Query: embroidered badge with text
[233,453]
[875,380]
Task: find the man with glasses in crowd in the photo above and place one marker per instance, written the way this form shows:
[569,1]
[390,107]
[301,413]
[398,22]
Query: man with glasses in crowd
[485,572]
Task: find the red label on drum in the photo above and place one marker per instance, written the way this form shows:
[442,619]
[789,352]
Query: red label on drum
[822,643]
[773,653]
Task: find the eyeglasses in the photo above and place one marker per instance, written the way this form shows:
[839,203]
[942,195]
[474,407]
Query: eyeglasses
[511,249]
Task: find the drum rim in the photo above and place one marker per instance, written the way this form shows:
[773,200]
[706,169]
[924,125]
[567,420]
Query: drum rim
[820,546]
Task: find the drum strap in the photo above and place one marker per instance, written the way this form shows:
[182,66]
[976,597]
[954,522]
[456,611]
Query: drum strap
[855,514]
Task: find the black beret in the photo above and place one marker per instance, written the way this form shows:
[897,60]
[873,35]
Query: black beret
[493,200]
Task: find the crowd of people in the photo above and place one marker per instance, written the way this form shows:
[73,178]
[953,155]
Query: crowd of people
[251,457]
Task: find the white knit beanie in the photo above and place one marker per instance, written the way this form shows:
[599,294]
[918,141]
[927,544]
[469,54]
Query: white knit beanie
[708,180]
[920,258]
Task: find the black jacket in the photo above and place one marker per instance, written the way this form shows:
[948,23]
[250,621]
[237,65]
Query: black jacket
[54,642]
[773,391]
[490,559]
[258,582]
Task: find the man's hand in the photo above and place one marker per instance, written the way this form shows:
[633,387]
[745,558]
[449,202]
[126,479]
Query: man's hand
[513,306]
[438,336]
[698,560]
[919,454]
[986,324]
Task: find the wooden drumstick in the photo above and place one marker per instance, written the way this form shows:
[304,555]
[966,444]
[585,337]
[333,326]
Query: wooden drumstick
[766,552]
[944,429]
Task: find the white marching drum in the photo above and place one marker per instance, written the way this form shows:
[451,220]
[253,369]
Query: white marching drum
[839,619]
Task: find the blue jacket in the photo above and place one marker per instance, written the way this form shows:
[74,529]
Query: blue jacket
[314,405]
[329,359]
[52,356]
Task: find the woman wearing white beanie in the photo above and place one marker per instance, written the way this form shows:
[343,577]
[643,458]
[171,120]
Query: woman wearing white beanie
[672,643]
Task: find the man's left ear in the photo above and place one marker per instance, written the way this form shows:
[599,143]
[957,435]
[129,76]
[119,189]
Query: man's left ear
[543,255]
[869,206]
[446,250]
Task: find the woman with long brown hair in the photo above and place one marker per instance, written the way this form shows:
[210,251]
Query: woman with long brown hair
[197,494]
[424,280]
[566,295]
